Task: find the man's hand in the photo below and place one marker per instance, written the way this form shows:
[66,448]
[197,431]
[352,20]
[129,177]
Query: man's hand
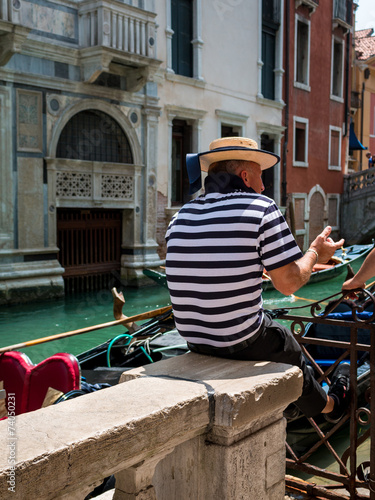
[325,246]
[366,272]
[288,279]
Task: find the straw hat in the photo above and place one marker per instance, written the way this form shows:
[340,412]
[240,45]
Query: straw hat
[227,148]
[236,148]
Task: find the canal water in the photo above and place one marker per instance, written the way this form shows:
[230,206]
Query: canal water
[25,322]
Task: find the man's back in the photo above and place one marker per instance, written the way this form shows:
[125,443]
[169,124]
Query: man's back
[218,245]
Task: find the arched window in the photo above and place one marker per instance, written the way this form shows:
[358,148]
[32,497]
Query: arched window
[94,136]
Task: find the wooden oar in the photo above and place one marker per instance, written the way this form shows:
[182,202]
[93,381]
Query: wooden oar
[307,300]
[130,319]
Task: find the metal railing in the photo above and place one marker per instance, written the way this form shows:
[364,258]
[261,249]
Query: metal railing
[357,479]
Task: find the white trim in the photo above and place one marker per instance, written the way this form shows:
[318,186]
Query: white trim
[276,132]
[235,120]
[197,41]
[331,196]
[299,119]
[193,117]
[339,97]
[279,70]
[298,18]
[302,232]
[336,129]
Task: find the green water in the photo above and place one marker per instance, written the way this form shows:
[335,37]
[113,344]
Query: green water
[30,321]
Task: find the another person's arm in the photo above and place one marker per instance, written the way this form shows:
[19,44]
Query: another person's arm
[366,272]
[288,279]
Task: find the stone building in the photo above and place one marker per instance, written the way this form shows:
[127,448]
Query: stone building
[99,102]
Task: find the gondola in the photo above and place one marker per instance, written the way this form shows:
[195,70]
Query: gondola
[321,272]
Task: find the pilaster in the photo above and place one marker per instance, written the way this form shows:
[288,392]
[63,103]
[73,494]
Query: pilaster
[6,170]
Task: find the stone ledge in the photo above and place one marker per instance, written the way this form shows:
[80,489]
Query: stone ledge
[248,395]
[220,410]
[91,437]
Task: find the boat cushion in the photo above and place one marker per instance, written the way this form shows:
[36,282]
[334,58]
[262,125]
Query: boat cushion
[28,386]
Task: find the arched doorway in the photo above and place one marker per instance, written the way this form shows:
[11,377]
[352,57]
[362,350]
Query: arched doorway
[88,236]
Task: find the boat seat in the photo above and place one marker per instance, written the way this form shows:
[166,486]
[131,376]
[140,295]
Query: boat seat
[34,386]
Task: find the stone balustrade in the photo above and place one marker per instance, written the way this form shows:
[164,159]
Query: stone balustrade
[359,183]
[118,26]
[189,427]
[10,11]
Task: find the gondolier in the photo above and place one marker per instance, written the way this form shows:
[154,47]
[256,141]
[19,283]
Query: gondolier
[217,248]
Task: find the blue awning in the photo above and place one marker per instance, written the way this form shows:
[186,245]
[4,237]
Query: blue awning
[354,143]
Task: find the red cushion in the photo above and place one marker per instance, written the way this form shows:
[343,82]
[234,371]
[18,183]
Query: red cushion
[29,383]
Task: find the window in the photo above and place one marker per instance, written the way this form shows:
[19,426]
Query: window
[270,26]
[337,68]
[94,136]
[302,53]
[229,131]
[182,26]
[300,142]
[334,148]
[181,145]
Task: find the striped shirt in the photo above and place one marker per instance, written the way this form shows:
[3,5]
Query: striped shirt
[217,248]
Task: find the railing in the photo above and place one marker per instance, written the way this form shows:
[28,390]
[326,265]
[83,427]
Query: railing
[341,11]
[352,476]
[10,10]
[117,26]
[359,183]
[93,184]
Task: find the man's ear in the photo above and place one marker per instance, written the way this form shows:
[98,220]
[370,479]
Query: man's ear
[245,177]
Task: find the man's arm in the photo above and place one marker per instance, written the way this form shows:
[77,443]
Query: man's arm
[366,272]
[288,279]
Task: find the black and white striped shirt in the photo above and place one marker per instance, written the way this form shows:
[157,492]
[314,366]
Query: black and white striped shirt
[217,248]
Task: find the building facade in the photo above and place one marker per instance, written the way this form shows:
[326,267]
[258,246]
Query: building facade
[99,102]
[363,108]
[317,105]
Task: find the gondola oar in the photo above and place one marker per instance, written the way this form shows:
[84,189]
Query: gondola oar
[130,319]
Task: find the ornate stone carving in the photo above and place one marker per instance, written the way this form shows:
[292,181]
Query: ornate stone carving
[73,185]
[117,186]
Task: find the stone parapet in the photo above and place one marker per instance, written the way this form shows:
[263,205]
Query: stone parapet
[189,427]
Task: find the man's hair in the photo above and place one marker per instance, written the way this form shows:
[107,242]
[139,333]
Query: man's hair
[229,166]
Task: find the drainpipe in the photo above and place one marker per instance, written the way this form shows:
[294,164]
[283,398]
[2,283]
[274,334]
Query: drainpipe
[286,136]
[362,97]
[347,95]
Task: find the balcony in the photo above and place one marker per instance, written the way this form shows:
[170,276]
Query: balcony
[355,101]
[342,15]
[119,39]
[310,4]
[12,34]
